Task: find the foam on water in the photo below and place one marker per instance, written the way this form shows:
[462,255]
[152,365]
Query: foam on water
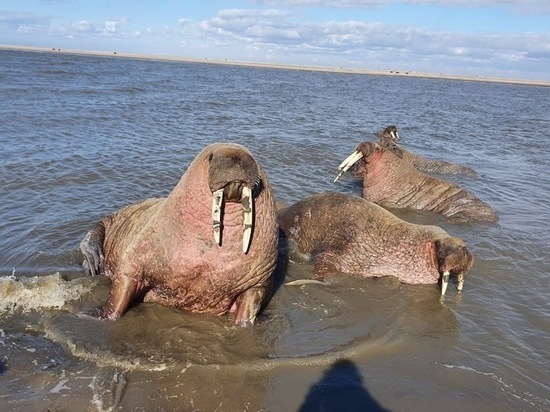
[33,293]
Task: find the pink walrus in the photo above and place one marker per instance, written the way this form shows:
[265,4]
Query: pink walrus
[210,246]
[393,182]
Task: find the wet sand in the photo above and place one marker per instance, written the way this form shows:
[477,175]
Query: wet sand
[381,72]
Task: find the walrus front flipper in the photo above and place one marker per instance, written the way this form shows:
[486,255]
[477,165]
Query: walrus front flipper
[123,291]
[92,248]
[248,305]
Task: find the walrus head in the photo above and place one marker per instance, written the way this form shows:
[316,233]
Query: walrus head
[233,176]
[363,151]
[389,132]
[453,257]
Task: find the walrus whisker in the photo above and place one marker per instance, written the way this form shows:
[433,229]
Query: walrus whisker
[348,162]
[460,281]
[217,206]
[248,215]
[445,282]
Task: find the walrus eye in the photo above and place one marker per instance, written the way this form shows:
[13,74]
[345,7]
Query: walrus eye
[210,157]
[348,162]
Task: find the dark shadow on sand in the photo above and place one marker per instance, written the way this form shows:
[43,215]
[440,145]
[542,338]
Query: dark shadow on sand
[340,389]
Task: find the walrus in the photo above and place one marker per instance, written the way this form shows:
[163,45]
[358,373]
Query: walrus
[393,182]
[340,233]
[210,246]
[388,138]
[390,133]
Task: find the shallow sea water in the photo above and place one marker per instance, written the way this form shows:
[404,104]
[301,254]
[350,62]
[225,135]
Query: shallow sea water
[82,136]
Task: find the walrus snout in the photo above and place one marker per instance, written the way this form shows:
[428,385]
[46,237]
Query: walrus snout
[232,166]
[363,151]
[234,176]
[233,191]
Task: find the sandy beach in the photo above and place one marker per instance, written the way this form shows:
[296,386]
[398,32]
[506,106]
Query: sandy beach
[380,72]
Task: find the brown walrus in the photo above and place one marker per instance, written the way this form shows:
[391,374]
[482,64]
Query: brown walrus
[343,233]
[393,182]
[210,246]
[390,135]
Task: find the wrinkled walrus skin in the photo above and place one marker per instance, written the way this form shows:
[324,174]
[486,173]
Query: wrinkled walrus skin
[393,182]
[348,234]
[166,249]
[388,139]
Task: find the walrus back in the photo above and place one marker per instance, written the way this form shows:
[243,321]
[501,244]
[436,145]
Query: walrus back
[424,164]
[437,166]
[396,182]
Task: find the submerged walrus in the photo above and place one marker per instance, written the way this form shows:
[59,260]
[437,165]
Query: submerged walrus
[390,135]
[393,182]
[210,246]
[343,233]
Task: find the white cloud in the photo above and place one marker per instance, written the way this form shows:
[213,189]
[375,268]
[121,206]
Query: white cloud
[112,26]
[523,6]
[284,36]
[278,36]
[82,26]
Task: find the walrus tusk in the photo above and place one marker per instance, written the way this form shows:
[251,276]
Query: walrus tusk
[460,281]
[248,216]
[445,282]
[348,162]
[217,200]
[395,135]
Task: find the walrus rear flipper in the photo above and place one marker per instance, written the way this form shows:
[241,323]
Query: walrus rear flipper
[92,248]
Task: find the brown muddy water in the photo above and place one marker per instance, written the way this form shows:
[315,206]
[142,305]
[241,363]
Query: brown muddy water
[83,136]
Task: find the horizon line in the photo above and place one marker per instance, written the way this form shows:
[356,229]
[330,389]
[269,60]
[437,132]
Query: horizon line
[326,69]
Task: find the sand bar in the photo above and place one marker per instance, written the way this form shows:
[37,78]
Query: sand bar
[380,72]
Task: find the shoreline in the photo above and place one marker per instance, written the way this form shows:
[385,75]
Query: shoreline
[326,69]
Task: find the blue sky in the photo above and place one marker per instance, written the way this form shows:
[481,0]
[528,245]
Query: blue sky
[496,38]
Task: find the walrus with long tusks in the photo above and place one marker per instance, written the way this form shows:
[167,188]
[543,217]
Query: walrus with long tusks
[343,233]
[210,246]
[388,140]
[393,182]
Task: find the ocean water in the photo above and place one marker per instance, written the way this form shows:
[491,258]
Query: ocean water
[82,136]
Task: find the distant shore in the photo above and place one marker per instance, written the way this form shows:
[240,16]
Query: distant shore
[380,72]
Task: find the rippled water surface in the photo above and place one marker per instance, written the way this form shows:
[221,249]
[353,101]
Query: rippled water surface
[81,137]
